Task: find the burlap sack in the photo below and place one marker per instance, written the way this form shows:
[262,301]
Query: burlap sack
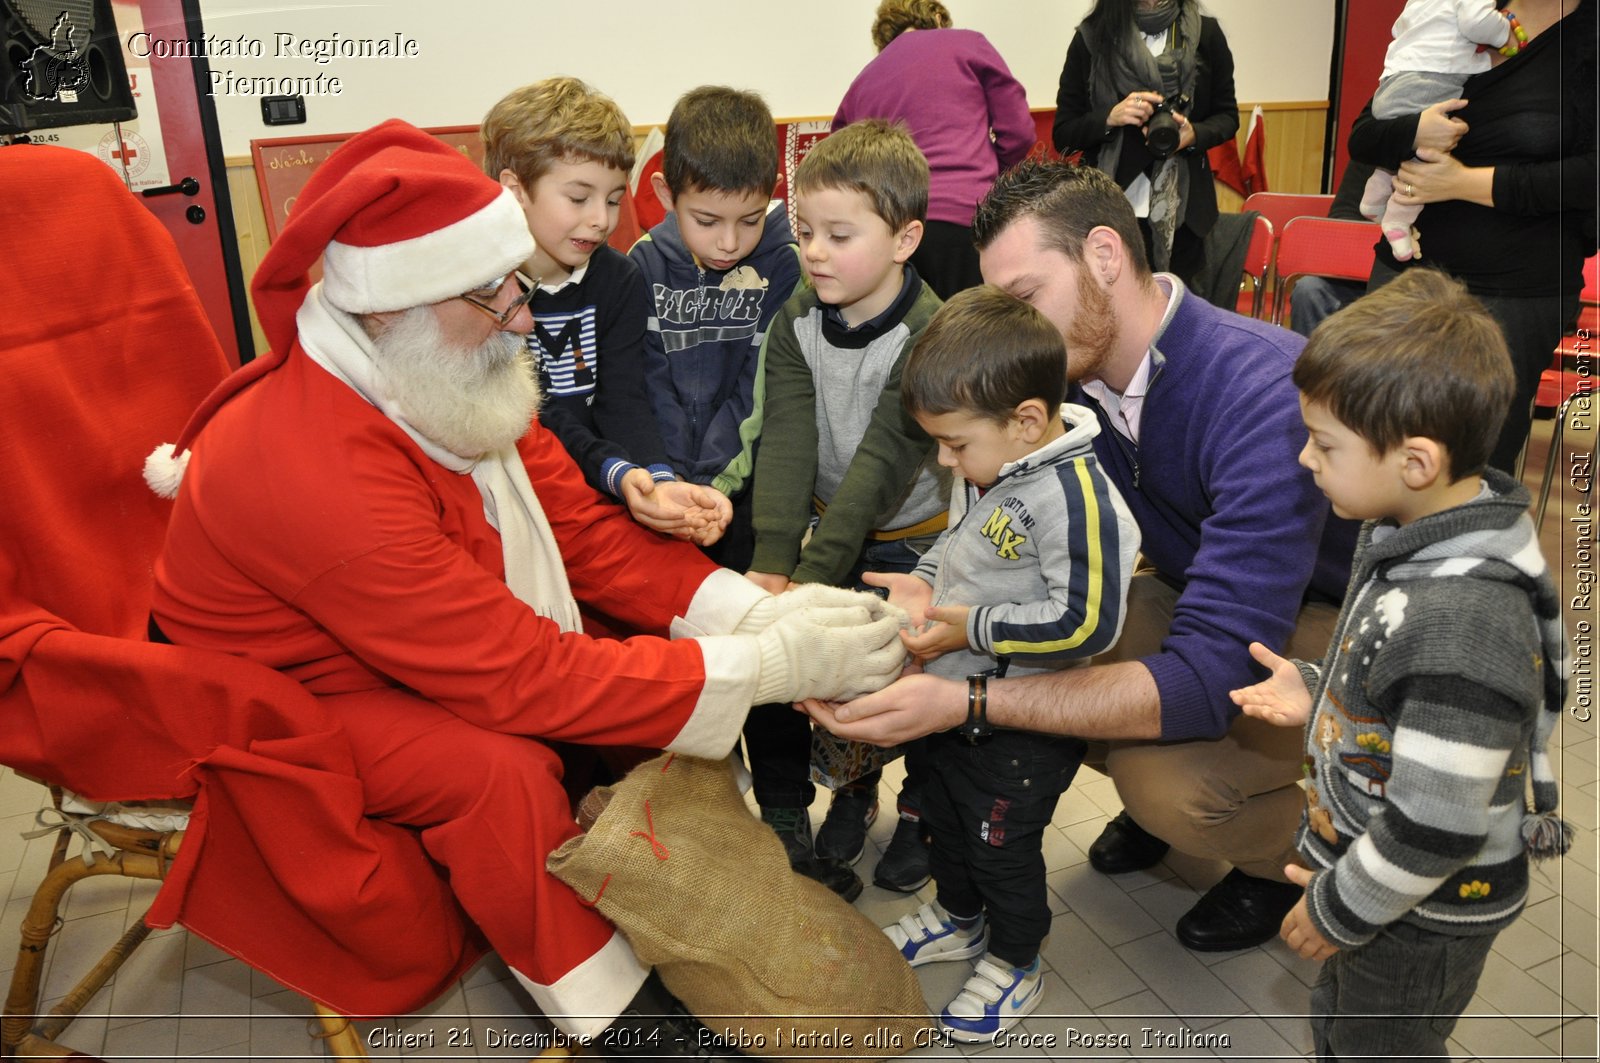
[772,961]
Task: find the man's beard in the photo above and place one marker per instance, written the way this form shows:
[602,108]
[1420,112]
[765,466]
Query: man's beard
[1094,329]
[469,400]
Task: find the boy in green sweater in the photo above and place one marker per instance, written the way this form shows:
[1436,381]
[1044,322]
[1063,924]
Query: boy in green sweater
[840,456]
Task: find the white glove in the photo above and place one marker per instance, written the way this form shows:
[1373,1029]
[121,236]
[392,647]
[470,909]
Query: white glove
[831,653]
[767,610]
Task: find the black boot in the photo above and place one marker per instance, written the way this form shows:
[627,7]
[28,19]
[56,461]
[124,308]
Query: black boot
[656,1025]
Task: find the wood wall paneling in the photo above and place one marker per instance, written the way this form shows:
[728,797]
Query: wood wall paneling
[1295,135]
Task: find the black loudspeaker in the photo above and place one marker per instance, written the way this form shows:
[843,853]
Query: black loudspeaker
[61,65]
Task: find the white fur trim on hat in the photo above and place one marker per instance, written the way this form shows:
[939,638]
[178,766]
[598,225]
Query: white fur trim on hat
[163,470]
[457,258]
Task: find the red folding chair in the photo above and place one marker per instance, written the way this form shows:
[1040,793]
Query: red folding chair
[1321,247]
[1257,263]
[1277,208]
[1564,382]
[1562,379]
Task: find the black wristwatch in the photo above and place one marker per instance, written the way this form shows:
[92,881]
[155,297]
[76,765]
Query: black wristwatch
[977,725]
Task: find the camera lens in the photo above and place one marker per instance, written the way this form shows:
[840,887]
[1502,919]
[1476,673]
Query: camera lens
[1162,133]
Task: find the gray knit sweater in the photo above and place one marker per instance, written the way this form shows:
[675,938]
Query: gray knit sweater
[1445,677]
[836,432]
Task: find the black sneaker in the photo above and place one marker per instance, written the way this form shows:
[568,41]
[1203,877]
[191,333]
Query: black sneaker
[793,828]
[904,865]
[656,1025]
[843,835]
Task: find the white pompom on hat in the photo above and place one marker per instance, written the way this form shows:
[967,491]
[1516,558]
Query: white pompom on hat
[400,219]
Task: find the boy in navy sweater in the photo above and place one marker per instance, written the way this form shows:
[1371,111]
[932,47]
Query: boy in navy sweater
[716,270]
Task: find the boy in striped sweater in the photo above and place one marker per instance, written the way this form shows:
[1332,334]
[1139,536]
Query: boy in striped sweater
[1444,680]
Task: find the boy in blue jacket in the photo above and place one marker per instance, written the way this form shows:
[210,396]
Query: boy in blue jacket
[717,270]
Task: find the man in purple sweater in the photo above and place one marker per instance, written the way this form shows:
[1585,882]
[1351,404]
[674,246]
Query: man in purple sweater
[1200,428]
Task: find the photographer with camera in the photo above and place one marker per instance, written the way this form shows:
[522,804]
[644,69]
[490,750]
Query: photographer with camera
[1146,91]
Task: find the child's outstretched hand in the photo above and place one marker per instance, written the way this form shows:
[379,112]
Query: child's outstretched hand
[1298,931]
[909,592]
[946,631]
[677,508]
[1281,698]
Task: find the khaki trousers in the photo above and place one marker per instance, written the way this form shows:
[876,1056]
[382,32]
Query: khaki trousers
[1234,798]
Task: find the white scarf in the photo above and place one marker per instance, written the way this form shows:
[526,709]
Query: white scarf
[534,570]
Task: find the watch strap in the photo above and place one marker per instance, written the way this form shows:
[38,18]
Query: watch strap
[977,723]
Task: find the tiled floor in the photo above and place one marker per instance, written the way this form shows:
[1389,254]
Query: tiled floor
[1116,974]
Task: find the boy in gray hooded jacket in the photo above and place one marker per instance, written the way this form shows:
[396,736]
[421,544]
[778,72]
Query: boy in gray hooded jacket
[1031,574]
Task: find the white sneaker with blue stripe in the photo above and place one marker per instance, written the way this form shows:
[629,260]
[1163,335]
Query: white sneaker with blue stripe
[929,935]
[994,999]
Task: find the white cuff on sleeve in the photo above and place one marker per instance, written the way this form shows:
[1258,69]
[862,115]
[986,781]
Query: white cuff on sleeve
[722,602]
[733,666]
[588,998]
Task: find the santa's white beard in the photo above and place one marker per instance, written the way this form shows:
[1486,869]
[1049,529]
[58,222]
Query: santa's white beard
[469,400]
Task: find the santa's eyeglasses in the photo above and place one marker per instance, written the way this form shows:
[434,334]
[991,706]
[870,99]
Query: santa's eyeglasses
[502,318]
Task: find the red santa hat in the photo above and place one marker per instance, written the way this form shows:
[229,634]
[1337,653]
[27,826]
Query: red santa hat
[400,220]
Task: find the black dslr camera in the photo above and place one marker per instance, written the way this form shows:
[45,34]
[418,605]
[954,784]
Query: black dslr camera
[1162,132]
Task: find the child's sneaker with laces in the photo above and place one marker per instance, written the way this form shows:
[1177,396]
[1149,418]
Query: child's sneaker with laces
[995,998]
[843,834]
[930,935]
[793,828]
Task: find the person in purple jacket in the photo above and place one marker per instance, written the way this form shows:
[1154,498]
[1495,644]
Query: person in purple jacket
[1200,428]
[952,90]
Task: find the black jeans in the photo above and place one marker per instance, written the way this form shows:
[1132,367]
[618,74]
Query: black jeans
[987,804]
[777,738]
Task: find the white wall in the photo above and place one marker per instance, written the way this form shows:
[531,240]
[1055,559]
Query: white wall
[800,56]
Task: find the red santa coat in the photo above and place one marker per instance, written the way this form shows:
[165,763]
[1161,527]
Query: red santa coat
[312,535]
[89,705]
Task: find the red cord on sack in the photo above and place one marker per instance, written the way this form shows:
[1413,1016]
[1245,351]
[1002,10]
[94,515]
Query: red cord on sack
[597,896]
[649,835]
[670,758]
